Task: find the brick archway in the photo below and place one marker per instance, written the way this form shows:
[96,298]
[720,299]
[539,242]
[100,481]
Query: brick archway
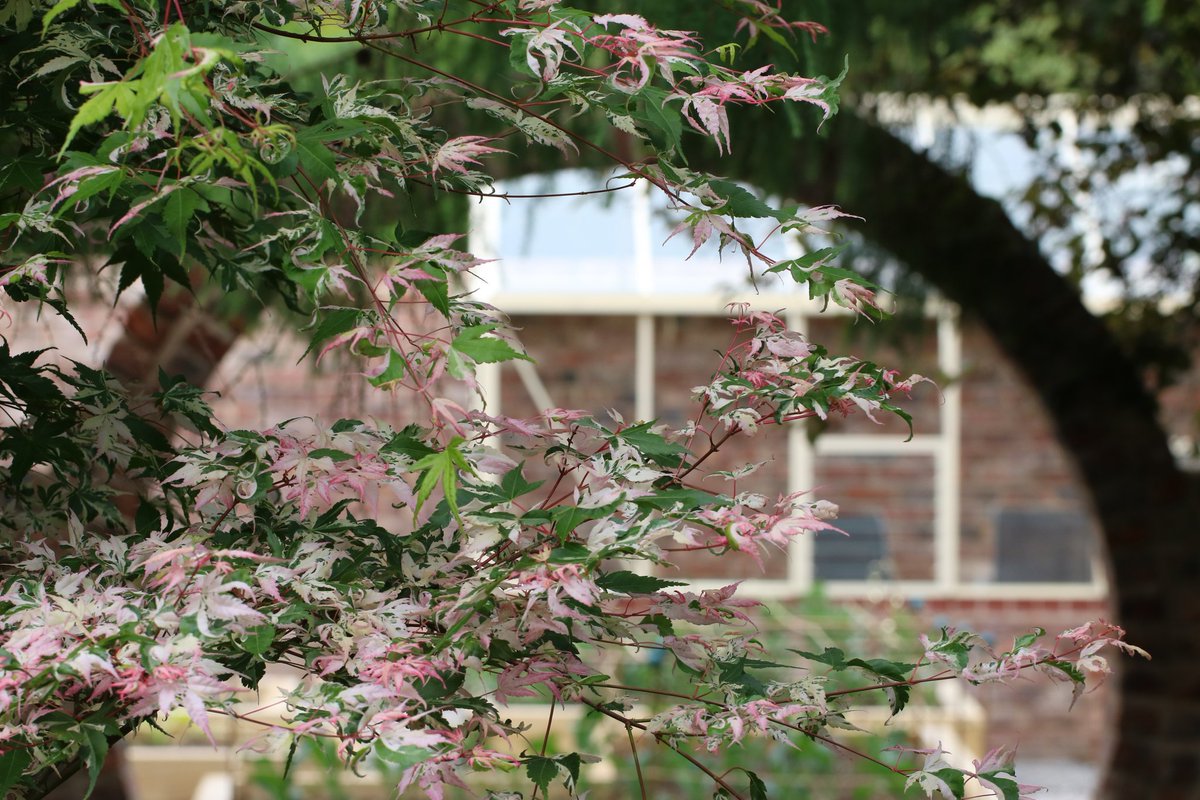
[966,246]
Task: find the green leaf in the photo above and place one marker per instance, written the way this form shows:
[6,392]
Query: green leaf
[512,485]
[146,520]
[177,396]
[689,499]
[954,779]
[21,378]
[95,749]
[330,453]
[830,95]
[570,762]
[541,771]
[517,51]
[888,672]
[627,582]
[1028,639]
[436,291]
[1067,668]
[571,553]
[892,670]
[568,518]
[1009,788]
[662,624]
[293,745]
[393,372]
[401,758]
[830,656]
[177,212]
[105,181]
[801,267]
[758,789]
[439,686]
[663,125]
[482,349]
[441,469]
[333,321]
[457,364]
[335,130]
[12,766]
[408,443]
[60,7]
[20,12]
[741,203]
[775,36]
[653,445]
[883,669]
[259,639]
[956,647]
[316,159]
[733,673]
[139,265]
[96,108]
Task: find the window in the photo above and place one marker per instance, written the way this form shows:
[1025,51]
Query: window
[613,322]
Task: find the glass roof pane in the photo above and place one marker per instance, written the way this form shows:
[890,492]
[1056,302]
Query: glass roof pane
[618,241]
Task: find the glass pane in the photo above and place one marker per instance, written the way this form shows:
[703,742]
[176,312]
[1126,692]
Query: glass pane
[857,553]
[1043,546]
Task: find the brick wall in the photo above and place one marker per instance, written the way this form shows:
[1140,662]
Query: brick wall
[265,379]
[1011,461]
[1035,714]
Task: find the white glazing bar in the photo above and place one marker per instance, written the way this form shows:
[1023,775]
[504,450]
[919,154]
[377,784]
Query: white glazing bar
[643,393]
[947,491]
[643,341]
[926,590]
[643,249]
[488,397]
[878,444]
[483,240]
[643,276]
[632,303]
[483,224]
[800,478]
[643,381]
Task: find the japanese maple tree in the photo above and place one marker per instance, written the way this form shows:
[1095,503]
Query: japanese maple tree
[154,559]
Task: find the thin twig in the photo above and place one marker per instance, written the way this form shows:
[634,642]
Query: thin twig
[637,764]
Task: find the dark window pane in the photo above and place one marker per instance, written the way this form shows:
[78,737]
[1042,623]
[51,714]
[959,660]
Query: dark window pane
[1043,546]
[858,554]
